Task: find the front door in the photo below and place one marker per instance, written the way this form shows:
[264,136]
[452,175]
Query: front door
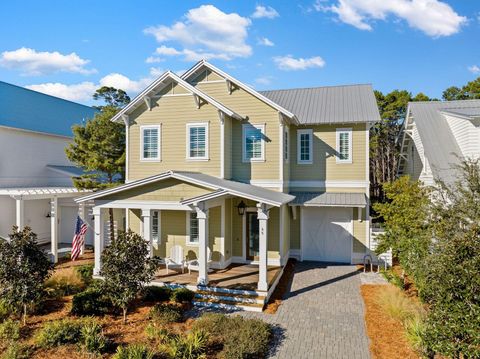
[253,236]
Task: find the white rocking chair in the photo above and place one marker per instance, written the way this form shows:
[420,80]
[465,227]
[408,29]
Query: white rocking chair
[195,264]
[176,259]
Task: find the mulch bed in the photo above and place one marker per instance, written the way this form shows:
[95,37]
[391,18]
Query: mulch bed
[282,288]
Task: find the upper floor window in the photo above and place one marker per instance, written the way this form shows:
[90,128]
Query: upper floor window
[197,141]
[253,143]
[286,144]
[304,146]
[192,228]
[150,143]
[344,145]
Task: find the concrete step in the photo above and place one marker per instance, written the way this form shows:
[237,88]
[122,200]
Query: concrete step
[227,305]
[233,298]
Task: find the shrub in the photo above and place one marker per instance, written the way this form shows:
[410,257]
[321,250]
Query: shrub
[93,339]
[241,338]
[190,346]
[393,278]
[5,310]
[414,331]
[59,332]
[182,295]
[9,330]
[133,351]
[90,302]
[157,333]
[156,294]
[85,272]
[63,283]
[16,351]
[166,313]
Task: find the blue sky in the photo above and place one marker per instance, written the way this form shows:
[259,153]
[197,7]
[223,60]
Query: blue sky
[69,48]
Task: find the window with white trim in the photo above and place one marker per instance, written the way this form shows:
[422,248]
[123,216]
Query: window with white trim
[192,228]
[197,141]
[344,145]
[286,144]
[304,146]
[156,226]
[150,143]
[253,143]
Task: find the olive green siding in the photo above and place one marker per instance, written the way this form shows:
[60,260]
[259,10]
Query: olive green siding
[228,229]
[228,148]
[214,233]
[134,220]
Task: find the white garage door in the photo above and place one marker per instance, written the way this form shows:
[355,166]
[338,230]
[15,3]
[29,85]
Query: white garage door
[327,234]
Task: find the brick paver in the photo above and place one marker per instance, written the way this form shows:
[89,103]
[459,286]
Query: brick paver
[322,315]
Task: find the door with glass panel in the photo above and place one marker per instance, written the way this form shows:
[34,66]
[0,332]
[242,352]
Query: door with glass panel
[253,236]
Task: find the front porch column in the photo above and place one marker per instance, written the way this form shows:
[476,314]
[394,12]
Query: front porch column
[147,229]
[99,239]
[263,251]
[19,213]
[202,216]
[54,219]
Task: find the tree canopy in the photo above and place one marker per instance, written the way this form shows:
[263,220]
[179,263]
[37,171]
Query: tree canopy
[113,97]
[471,91]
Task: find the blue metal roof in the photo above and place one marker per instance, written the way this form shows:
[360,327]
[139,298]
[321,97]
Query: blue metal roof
[34,111]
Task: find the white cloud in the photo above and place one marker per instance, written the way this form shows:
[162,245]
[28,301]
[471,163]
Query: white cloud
[289,63]
[205,32]
[189,55]
[433,17]
[264,80]
[265,42]
[35,63]
[474,69]
[83,91]
[265,11]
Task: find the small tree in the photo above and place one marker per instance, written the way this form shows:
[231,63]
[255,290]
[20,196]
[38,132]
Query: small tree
[24,267]
[126,268]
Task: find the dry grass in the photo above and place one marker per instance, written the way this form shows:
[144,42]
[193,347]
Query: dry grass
[398,306]
[386,333]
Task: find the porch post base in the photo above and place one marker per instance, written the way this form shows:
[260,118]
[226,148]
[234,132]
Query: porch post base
[263,286]
[202,281]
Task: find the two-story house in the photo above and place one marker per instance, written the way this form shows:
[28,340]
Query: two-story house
[252,178]
[437,135]
[36,187]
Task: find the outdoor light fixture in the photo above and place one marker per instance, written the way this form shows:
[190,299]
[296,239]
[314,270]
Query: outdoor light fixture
[241,208]
[48,215]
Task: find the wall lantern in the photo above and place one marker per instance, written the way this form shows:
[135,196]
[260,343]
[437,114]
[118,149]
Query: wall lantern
[241,208]
[48,215]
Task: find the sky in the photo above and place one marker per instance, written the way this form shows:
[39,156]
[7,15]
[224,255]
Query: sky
[70,48]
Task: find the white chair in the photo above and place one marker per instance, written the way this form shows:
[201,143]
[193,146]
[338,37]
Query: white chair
[176,259]
[195,265]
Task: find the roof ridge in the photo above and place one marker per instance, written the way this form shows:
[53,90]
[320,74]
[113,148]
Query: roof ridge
[443,102]
[317,87]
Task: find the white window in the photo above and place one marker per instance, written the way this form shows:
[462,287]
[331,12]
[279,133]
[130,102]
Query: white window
[192,228]
[253,143]
[156,226]
[197,141]
[344,145]
[150,143]
[286,144]
[304,146]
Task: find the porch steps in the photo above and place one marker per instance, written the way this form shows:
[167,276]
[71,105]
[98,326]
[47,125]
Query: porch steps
[229,299]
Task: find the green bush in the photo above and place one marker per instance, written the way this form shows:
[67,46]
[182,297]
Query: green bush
[240,337]
[9,330]
[86,273]
[93,339]
[16,351]
[157,333]
[393,278]
[156,294]
[166,313]
[61,287]
[5,310]
[190,346]
[59,332]
[182,295]
[133,351]
[90,302]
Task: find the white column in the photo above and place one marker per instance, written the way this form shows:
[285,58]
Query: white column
[19,213]
[282,233]
[54,218]
[202,216]
[99,240]
[221,115]
[263,255]
[147,229]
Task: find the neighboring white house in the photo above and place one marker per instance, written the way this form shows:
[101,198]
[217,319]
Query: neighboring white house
[36,187]
[436,136]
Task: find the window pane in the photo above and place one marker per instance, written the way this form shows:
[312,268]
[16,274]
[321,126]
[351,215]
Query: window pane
[198,143]
[344,146]
[155,228]
[193,227]
[305,147]
[150,143]
[285,145]
[253,143]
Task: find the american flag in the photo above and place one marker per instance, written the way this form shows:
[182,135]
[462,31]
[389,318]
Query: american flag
[78,238]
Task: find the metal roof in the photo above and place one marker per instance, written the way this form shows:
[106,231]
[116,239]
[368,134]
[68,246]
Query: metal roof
[34,111]
[468,112]
[329,199]
[440,147]
[332,104]
[229,187]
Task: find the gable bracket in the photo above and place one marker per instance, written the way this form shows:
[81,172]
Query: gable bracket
[229,87]
[148,102]
[221,116]
[281,119]
[126,120]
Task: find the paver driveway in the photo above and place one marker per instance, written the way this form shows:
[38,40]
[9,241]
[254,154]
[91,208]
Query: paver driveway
[322,316]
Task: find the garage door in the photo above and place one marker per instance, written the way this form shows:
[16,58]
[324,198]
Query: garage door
[327,234]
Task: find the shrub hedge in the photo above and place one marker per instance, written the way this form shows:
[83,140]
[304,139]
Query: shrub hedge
[182,295]
[166,313]
[92,301]
[156,294]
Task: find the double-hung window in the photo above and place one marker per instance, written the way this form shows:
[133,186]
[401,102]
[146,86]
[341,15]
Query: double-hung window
[192,228]
[344,145]
[305,146]
[150,143]
[197,141]
[253,143]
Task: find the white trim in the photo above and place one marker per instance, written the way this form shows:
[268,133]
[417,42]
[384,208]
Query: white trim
[348,131]
[301,233]
[142,204]
[188,242]
[260,127]
[329,184]
[281,133]
[286,134]
[127,154]
[159,142]
[222,233]
[177,94]
[197,125]
[222,144]
[301,132]
[295,253]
